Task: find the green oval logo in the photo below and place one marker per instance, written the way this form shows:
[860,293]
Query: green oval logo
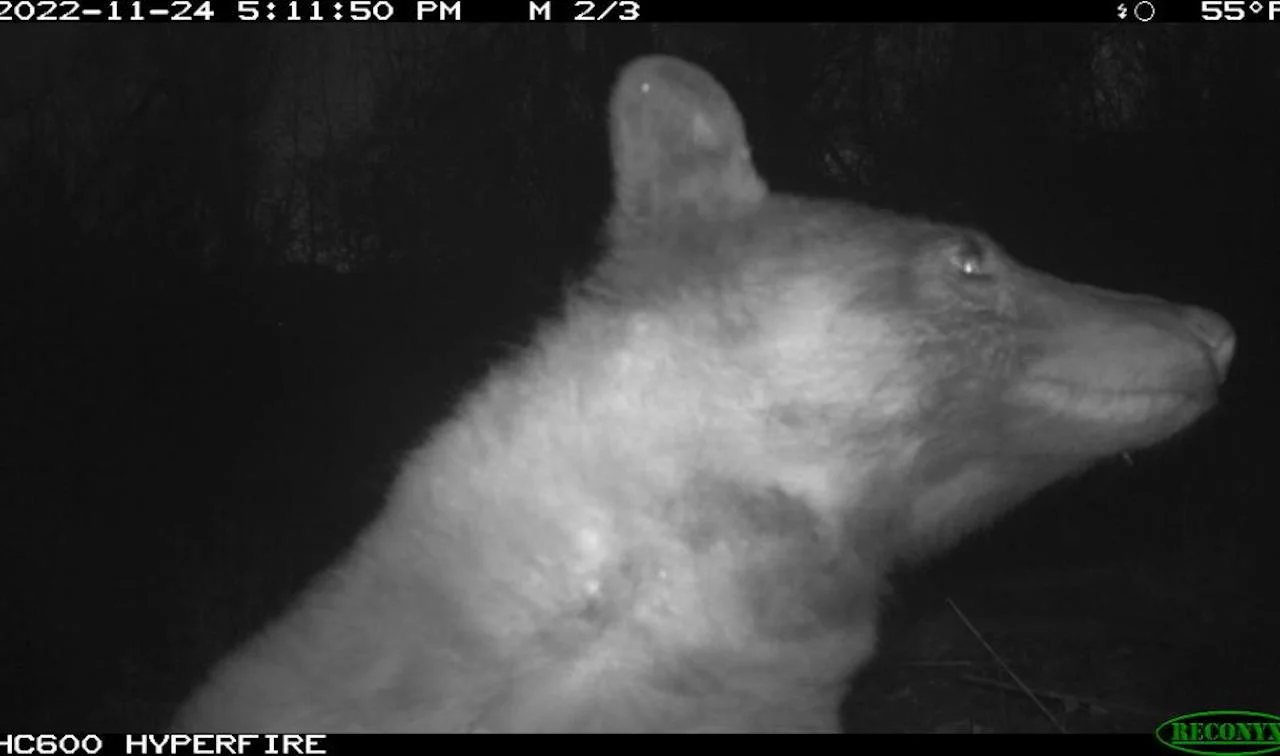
[1219,732]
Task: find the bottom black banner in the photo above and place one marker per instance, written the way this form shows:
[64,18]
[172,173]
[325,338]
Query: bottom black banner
[150,744]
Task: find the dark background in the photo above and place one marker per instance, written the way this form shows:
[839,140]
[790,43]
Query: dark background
[246,267]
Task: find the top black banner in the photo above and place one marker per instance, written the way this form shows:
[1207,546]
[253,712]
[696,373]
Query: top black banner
[631,11]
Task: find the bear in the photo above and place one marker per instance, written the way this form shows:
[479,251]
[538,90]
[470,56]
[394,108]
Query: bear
[675,509]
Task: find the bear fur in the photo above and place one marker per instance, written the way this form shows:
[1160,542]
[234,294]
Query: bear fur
[674,511]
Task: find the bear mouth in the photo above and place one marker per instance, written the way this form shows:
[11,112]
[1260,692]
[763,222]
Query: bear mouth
[1074,418]
[1118,406]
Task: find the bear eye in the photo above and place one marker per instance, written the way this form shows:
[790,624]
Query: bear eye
[971,260]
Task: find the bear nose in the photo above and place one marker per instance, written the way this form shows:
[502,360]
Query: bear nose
[1214,332]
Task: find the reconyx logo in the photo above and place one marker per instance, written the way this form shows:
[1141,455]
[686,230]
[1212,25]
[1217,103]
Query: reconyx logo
[1217,733]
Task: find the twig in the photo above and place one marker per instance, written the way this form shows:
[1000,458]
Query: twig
[1063,697]
[1022,686]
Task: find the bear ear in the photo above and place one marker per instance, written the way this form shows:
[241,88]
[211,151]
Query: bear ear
[678,149]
